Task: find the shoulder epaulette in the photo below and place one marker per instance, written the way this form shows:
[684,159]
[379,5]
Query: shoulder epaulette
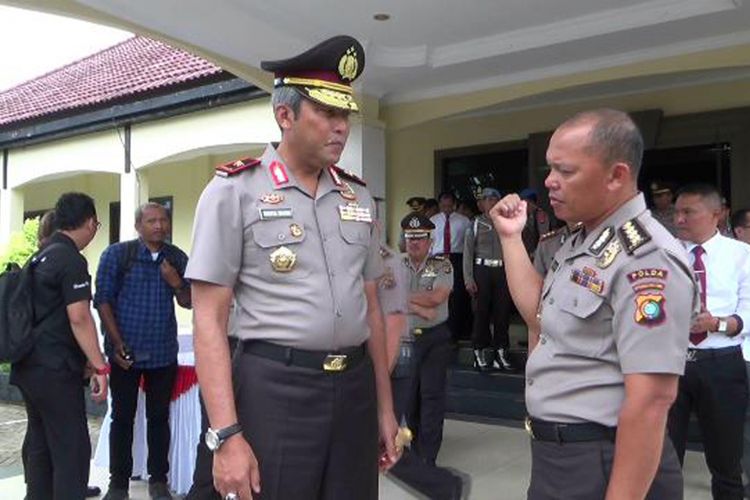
[550,234]
[235,167]
[633,236]
[349,175]
[384,252]
[576,228]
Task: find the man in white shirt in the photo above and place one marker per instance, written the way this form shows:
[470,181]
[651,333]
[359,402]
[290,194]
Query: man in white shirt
[715,382]
[448,240]
[741,225]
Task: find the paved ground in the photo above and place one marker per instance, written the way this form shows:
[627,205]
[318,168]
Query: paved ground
[496,457]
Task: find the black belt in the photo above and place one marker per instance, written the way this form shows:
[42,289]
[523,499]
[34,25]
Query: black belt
[417,332]
[703,354]
[338,361]
[568,433]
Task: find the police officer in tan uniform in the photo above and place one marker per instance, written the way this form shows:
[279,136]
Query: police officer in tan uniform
[485,282]
[549,244]
[614,312]
[430,284]
[291,237]
[663,209]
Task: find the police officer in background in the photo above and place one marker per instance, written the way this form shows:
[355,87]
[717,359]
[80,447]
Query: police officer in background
[291,237]
[430,284]
[485,282]
[663,209]
[613,310]
[537,220]
[549,244]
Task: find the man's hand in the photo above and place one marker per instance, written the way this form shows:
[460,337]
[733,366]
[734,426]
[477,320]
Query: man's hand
[236,469]
[704,322]
[509,216]
[471,287]
[98,387]
[389,454]
[170,274]
[119,352]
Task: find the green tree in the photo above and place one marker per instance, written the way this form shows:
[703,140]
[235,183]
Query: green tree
[22,244]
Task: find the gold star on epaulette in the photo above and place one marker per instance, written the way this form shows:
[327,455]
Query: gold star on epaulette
[550,234]
[235,167]
[633,236]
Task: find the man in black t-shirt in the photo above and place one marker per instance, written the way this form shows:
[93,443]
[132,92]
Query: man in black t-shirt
[57,446]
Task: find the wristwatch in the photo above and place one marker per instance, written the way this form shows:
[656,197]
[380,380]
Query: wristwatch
[215,437]
[723,326]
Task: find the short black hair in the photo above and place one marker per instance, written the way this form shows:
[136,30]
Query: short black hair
[739,218]
[72,210]
[705,191]
[431,203]
[416,199]
[447,194]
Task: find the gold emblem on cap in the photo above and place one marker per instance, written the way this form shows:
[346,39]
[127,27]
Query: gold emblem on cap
[348,64]
[296,230]
[283,260]
[272,198]
[348,193]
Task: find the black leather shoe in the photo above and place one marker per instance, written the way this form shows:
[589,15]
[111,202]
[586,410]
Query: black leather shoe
[480,361]
[501,361]
[93,491]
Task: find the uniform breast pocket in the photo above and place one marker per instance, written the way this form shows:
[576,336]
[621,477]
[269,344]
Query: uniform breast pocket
[585,322]
[356,238]
[277,251]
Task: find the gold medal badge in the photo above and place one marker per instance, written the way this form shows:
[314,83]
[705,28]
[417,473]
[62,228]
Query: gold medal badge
[609,254]
[296,230]
[283,260]
[347,192]
[272,198]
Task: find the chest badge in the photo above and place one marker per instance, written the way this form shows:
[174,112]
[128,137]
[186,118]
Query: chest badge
[272,198]
[283,260]
[296,230]
[609,254]
[347,192]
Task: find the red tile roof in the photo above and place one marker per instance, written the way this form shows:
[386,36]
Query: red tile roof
[134,66]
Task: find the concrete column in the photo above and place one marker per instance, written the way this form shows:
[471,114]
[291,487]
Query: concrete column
[11,213]
[129,195]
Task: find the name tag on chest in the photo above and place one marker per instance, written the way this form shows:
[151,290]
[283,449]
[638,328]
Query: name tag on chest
[355,213]
[275,213]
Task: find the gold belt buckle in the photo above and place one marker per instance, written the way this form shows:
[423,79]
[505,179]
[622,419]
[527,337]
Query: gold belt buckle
[417,331]
[529,429]
[335,363]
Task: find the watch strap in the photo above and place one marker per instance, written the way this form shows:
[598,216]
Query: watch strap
[229,431]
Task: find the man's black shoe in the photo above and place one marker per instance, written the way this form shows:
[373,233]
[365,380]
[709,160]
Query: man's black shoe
[93,491]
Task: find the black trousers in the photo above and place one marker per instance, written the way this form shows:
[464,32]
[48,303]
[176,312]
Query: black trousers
[716,389]
[580,471]
[57,449]
[203,477]
[314,433]
[493,304]
[124,386]
[459,302]
[430,480]
[432,353]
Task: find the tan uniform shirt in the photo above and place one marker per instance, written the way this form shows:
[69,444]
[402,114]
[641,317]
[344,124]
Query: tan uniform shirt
[297,263]
[617,301]
[392,291]
[548,246]
[481,242]
[434,272]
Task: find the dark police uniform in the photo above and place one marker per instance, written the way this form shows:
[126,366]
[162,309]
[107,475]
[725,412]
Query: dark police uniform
[431,345]
[616,301]
[483,265]
[304,383]
[57,445]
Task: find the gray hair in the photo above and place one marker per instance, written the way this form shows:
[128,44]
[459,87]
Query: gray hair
[614,136]
[286,96]
[148,206]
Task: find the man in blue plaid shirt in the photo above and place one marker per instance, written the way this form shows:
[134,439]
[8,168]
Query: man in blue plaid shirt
[135,286]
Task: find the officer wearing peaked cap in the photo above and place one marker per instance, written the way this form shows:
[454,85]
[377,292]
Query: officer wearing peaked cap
[430,284]
[663,210]
[614,313]
[291,237]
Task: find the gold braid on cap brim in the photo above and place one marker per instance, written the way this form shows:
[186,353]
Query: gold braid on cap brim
[328,93]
